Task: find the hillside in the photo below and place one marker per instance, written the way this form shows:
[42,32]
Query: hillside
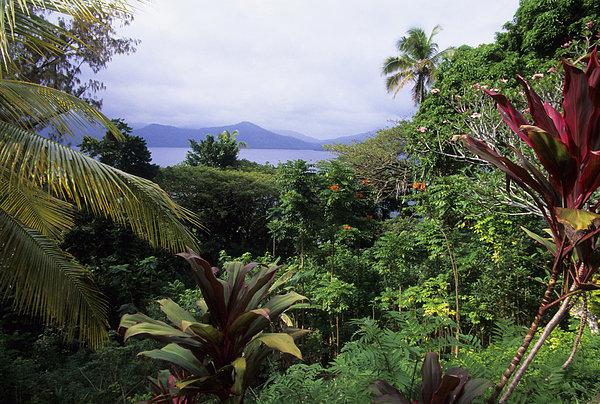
[254,136]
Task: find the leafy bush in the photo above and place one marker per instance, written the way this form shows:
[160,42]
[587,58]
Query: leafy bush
[221,353]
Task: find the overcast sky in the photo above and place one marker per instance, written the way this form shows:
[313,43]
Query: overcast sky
[312,66]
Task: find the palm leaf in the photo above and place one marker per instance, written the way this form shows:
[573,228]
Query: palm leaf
[34,208]
[103,190]
[43,281]
[395,63]
[18,23]
[396,82]
[32,106]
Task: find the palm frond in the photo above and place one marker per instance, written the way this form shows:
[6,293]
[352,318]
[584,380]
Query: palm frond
[414,44]
[396,82]
[445,54]
[43,281]
[34,208]
[436,30]
[394,63]
[33,106]
[71,176]
[16,17]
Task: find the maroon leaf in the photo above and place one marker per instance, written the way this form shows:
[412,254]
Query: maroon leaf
[593,76]
[464,377]
[589,178]
[555,158]
[517,173]
[212,288]
[593,80]
[513,118]
[560,125]
[431,375]
[447,386]
[577,108]
[386,393]
[537,110]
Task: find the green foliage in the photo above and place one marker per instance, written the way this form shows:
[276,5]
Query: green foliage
[220,153]
[297,216]
[454,386]
[129,154]
[220,351]
[232,205]
[545,380]
[45,369]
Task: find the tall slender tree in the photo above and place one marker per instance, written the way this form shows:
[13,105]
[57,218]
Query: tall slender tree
[418,57]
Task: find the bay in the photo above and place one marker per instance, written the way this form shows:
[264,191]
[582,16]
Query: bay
[168,156]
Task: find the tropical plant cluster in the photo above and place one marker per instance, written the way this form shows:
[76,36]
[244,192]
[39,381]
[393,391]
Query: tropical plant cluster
[450,258]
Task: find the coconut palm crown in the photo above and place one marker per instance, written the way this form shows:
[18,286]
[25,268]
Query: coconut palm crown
[418,57]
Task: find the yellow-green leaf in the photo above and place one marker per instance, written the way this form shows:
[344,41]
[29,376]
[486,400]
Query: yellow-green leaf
[576,218]
[281,342]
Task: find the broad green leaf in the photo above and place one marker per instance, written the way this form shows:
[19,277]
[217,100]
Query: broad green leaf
[543,241]
[175,313]
[281,342]
[129,320]
[179,356]
[154,330]
[287,320]
[202,305]
[576,218]
[276,306]
[205,331]
[282,280]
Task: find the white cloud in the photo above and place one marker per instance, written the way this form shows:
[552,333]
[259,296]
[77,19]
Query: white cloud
[305,65]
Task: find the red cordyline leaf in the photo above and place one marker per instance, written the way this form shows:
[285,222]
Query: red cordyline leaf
[567,145]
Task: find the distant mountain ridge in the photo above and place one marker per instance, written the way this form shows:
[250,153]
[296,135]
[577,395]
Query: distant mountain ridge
[256,137]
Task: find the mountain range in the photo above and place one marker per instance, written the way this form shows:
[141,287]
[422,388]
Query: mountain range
[255,137]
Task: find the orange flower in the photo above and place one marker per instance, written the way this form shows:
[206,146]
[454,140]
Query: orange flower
[334,187]
[365,181]
[347,227]
[419,186]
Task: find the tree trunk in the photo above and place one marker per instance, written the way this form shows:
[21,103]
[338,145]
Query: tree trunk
[455,273]
[582,324]
[532,329]
[556,319]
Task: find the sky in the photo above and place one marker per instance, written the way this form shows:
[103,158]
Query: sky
[312,66]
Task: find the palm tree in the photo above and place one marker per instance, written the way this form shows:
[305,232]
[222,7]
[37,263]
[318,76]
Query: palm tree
[416,63]
[43,183]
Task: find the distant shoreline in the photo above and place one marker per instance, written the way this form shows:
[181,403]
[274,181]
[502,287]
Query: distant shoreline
[168,156]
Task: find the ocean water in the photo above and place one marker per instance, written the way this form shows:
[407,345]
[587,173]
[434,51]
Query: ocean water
[168,156]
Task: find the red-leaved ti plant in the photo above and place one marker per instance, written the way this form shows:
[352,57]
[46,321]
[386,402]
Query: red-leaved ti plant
[567,146]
